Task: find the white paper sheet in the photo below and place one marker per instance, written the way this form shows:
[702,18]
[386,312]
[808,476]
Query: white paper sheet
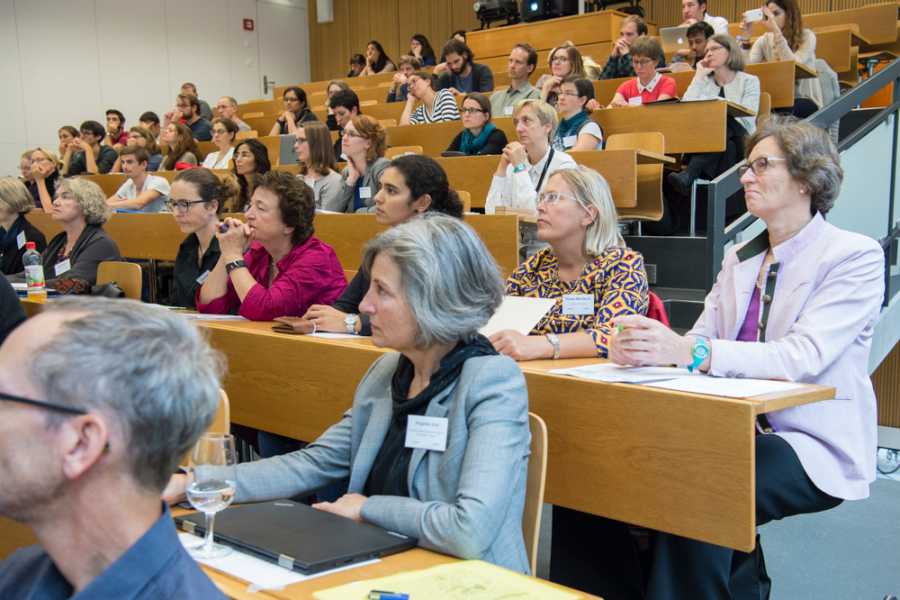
[726,386]
[261,575]
[205,317]
[613,373]
[519,314]
[333,336]
[20,287]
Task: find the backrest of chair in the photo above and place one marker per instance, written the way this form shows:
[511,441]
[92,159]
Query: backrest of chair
[534,491]
[221,422]
[652,141]
[765,108]
[273,147]
[466,199]
[245,135]
[126,275]
[649,177]
[395,151]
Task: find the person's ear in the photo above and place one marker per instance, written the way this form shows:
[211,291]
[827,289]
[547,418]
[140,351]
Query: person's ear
[83,441]
[422,203]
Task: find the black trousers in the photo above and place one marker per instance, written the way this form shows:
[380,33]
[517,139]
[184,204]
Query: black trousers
[601,556]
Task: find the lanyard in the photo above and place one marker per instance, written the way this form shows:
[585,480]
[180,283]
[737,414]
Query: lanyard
[544,172]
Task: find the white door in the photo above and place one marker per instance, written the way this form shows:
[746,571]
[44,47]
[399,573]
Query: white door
[283,44]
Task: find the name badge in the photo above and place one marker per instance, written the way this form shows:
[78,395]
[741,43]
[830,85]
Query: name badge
[62,267]
[570,140]
[365,192]
[578,304]
[20,240]
[202,277]
[428,433]
[508,110]
[636,101]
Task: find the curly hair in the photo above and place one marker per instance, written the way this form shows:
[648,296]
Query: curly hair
[295,201]
[424,175]
[811,157]
[90,198]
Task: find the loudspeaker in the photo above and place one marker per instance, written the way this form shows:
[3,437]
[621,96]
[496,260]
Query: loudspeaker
[536,10]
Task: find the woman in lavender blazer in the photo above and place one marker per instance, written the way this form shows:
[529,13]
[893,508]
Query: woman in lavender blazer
[797,303]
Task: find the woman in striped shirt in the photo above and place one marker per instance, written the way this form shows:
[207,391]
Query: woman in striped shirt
[436,107]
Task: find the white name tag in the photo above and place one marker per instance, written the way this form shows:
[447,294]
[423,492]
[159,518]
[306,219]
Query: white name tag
[570,140]
[508,110]
[202,277]
[635,101]
[62,267]
[365,192]
[578,304]
[20,240]
[428,433]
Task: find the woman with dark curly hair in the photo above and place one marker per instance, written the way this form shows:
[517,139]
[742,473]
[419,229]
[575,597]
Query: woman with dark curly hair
[286,269]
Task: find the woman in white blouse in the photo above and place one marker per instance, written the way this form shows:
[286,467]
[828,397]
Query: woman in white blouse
[720,75]
[786,39]
[223,134]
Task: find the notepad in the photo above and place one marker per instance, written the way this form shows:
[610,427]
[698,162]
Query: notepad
[463,580]
[613,373]
[519,314]
[732,387]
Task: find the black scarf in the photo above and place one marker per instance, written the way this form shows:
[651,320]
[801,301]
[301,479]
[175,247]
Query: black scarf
[388,476]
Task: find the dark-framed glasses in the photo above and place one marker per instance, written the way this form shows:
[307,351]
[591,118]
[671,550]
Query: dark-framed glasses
[182,205]
[71,410]
[470,111]
[759,165]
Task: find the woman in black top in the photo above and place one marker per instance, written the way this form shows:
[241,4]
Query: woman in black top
[251,159]
[196,199]
[75,253]
[296,111]
[410,185]
[15,230]
[45,168]
[479,135]
[420,47]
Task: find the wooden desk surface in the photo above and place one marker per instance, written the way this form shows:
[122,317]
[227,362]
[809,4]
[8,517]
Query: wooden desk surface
[666,460]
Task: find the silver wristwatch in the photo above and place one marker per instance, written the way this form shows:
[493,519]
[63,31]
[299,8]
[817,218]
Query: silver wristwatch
[554,341]
[350,322]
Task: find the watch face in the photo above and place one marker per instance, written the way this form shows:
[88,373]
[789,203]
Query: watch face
[701,351]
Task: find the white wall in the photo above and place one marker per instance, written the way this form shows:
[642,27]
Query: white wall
[66,61]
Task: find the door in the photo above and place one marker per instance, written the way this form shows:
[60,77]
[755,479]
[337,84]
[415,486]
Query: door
[283,44]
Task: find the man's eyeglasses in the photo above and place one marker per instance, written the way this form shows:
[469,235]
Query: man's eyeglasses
[182,205]
[759,165]
[42,404]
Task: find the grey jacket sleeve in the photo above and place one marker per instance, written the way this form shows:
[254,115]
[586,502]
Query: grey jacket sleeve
[497,443]
[325,460]
[331,196]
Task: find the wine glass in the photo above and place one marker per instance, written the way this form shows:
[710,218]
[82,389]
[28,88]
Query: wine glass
[212,488]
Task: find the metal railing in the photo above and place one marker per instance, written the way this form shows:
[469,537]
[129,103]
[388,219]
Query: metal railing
[716,192]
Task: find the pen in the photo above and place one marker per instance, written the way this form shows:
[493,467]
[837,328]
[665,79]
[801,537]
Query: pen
[384,595]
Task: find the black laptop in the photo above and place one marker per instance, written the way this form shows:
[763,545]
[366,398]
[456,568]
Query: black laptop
[297,536]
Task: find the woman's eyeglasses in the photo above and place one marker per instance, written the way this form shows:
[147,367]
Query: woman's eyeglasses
[759,165]
[182,205]
[470,111]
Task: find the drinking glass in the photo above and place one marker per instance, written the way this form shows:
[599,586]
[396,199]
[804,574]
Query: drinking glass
[212,488]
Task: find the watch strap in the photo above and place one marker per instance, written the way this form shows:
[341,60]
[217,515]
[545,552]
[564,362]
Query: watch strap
[554,341]
[235,264]
[699,353]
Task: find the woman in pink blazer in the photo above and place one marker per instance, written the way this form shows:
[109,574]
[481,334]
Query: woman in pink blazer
[797,303]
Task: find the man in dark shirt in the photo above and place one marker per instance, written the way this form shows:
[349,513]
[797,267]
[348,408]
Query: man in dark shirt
[205,110]
[464,75]
[344,106]
[86,154]
[187,111]
[619,62]
[92,425]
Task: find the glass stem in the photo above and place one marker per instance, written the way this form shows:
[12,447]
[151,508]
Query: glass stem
[208,539]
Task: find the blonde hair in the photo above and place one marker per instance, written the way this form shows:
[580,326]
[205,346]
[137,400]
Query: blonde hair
[591,189]
[15,195]
[51,156]
[90,198]
[546,114]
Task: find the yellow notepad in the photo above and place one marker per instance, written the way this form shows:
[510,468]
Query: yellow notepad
[464,580]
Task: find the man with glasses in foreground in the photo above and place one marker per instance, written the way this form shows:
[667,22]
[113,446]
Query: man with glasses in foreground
[99,401]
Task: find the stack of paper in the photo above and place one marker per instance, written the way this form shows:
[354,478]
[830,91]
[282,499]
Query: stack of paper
[464,580]
[613,373]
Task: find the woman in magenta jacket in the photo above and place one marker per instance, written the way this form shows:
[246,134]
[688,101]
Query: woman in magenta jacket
[272,265]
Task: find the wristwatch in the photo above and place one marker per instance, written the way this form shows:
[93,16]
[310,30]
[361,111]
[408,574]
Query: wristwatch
[699,352]
[235,264]
[350,322]
[554,341]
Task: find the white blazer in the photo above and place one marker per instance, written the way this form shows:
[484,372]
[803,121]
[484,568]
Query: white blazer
[743,89]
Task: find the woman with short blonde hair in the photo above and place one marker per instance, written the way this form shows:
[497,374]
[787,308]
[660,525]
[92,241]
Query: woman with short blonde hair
[15,203]
[45,169]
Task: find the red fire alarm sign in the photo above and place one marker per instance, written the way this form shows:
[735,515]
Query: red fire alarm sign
[248,24]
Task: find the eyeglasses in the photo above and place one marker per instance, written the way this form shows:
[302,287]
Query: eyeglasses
[470,111]
[352,134]
[182,205]
[48,405]
[568,93]
[560,59]
[641,62]
[551,198]
[711,48]
[219,131]
[759,165]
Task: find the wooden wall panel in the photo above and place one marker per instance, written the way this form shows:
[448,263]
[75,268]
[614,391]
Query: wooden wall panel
[886,380]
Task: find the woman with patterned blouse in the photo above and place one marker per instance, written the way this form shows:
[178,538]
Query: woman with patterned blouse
[587,268]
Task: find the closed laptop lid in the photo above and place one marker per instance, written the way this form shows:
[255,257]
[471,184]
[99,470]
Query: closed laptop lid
[297,536]
[673,38]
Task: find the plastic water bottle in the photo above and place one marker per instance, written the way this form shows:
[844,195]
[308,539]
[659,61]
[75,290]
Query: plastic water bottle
[34,273]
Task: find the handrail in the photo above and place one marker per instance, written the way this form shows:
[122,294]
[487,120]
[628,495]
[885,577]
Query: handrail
[716,192]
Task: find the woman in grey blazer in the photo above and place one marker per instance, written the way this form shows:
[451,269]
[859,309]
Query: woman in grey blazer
[433,286]
[363,141]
